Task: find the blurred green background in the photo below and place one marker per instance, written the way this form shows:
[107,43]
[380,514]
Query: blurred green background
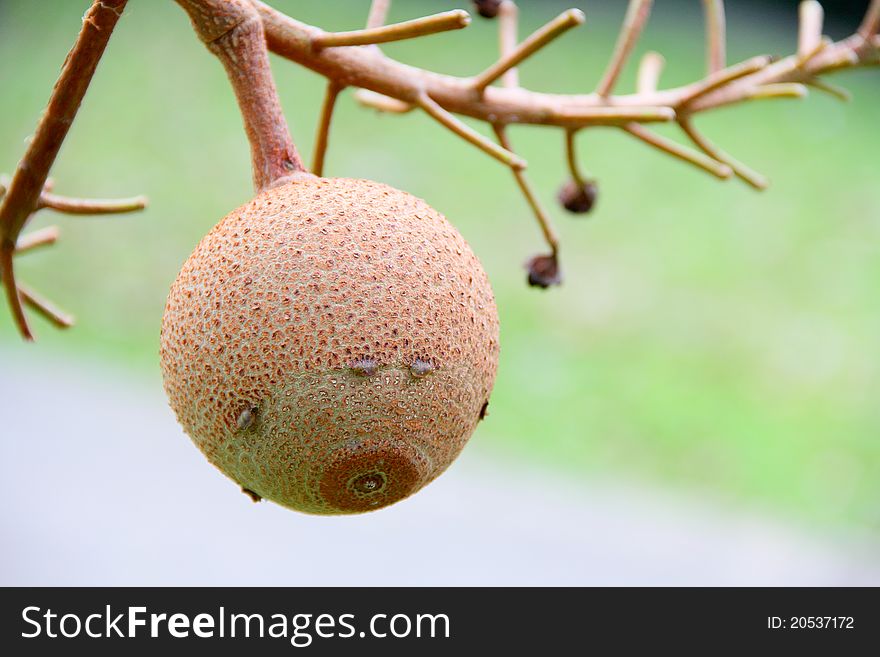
[708,338]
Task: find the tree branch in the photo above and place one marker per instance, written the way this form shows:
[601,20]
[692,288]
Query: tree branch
[30,176]
[376,72]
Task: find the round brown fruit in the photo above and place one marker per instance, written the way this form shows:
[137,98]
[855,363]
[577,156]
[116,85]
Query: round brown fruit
[330,345]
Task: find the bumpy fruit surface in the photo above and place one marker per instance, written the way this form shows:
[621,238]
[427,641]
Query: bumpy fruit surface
[331,345]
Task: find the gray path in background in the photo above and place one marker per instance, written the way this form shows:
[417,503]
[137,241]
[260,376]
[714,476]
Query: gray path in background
[99,486]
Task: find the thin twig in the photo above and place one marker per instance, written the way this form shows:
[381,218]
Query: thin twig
[13,298]
[544,222]
[534,42]
[469,134]
[87,206]
[778,90]
[650,69]
[381,102]
[726,76]
[716,37]
[36,239]
[45,308]
[508,36]
[810,19]
[701,161]
[333,89]
[753,178]
[448,20]
[79,67]
[636,16]
[832,89]
[30,176]
[378,13]
[616,115]
[571,158]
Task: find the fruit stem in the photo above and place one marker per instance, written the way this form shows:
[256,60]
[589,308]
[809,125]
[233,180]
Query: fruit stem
[233,31]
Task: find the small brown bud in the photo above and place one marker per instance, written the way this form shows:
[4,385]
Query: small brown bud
[544,271]
[576,198]
[487,8]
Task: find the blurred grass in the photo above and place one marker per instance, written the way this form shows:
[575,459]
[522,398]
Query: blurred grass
[717,340]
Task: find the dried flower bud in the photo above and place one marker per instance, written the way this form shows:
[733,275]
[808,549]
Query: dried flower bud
[487,8]
[544,271]
[576,198]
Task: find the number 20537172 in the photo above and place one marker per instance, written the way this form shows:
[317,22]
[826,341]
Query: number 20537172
[810,623]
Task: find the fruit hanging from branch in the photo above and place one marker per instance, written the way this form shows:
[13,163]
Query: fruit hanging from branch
[353,328]
[332,344]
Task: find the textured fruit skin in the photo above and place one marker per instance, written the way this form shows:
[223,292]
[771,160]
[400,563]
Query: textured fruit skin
[330,345]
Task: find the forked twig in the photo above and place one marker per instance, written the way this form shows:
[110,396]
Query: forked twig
[24,190]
